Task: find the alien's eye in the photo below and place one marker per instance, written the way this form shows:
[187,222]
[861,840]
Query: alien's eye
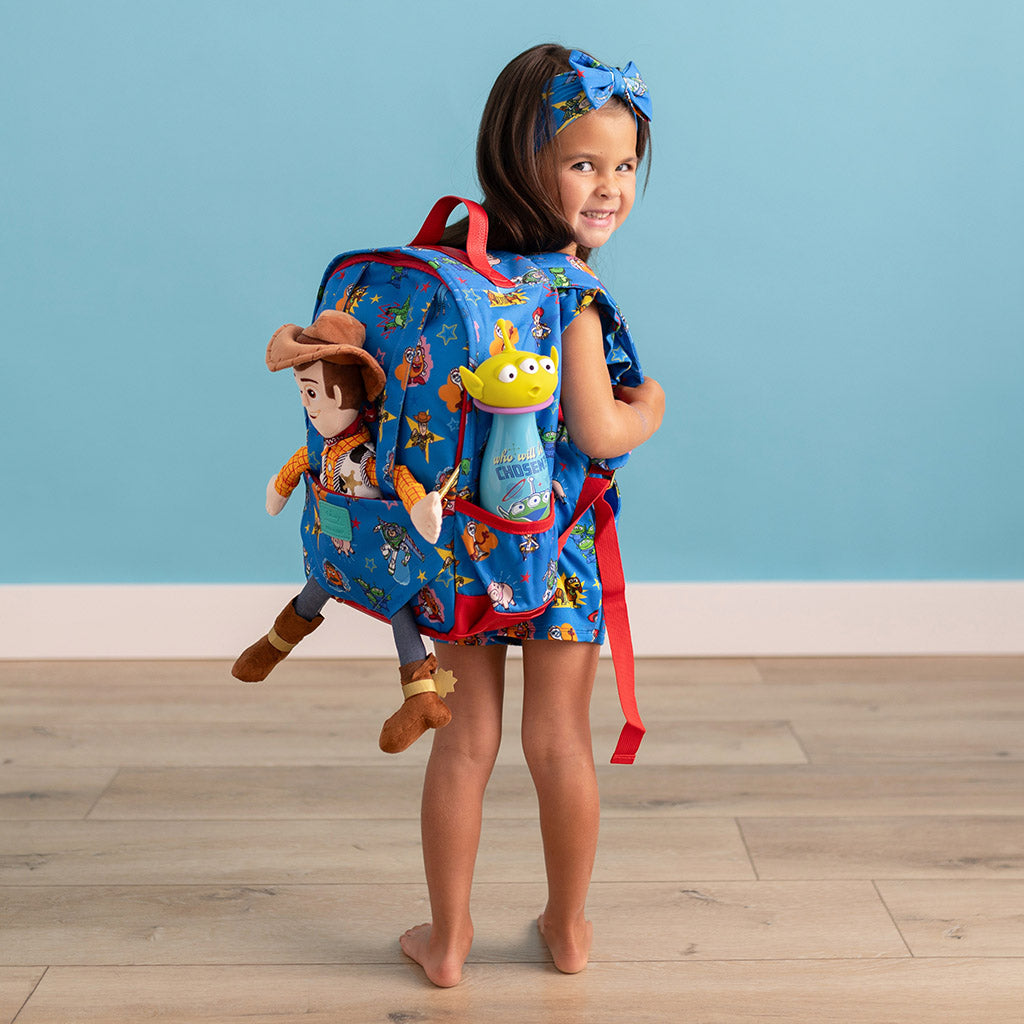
[535,500]
[528,366]
[547,365]
[517,509]
[507,373]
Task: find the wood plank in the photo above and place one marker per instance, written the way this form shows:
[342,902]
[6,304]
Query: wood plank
[38,793]
[959,917]
[97,675]
[912,739]
[186,744]
[95,925]
[811,790]
[959,669]
[346,851]
[91,744]
[902,847]
[393,791]
[902,991]
[387,790]
[681,742]
[868,701]
[364,705]
[888,991]
[16,985]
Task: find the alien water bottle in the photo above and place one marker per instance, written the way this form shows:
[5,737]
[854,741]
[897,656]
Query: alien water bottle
[514,478]
[512,386]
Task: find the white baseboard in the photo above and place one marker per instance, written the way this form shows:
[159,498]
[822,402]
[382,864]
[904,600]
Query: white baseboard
[668,620]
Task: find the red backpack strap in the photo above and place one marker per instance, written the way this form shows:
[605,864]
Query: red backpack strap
[613,586]
[429,236]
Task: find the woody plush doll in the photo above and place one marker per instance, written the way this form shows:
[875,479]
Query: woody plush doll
[336,377]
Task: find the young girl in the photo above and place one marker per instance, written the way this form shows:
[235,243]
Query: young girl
[560,142]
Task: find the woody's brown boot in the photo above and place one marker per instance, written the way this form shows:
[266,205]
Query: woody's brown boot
[255,663]
[422,709]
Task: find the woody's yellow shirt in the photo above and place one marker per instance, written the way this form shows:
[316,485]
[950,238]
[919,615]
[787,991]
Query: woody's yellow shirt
[361,478]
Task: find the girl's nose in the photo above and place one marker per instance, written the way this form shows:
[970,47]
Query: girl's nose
[608,186]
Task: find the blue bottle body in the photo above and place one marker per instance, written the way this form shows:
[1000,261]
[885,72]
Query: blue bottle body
[515,482]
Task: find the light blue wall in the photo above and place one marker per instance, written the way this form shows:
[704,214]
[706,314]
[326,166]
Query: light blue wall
[827,271]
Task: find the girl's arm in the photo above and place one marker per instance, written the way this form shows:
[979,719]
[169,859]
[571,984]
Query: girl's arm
[603,424]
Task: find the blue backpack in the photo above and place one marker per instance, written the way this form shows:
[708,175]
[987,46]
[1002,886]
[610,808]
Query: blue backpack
[427,311]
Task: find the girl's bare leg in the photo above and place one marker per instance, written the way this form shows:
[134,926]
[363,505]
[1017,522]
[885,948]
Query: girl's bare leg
[558,682]
[460,764]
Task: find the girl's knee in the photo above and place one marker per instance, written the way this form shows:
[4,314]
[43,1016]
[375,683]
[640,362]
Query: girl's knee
[468,738]
[557,746]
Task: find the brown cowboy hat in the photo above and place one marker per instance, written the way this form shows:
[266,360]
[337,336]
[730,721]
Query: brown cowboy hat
[335,337]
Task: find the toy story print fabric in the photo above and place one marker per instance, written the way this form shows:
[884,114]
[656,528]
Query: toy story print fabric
[576,610]
[487,576]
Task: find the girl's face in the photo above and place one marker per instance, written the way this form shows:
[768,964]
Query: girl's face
[597,173]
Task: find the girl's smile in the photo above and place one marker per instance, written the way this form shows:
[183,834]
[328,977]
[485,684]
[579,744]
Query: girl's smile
[597,173]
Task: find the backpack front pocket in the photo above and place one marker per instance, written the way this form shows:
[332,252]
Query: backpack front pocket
[365,551]
[506,570]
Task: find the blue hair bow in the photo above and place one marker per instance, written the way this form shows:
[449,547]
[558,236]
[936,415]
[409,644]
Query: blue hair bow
[590,85]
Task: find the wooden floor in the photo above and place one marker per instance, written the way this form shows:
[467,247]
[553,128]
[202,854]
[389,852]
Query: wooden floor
[800,842]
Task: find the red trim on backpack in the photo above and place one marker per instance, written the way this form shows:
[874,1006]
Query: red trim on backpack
[475,256]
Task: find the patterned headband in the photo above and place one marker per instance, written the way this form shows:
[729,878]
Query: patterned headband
[588,87]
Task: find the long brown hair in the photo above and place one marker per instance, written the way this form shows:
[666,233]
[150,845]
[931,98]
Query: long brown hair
[518,180]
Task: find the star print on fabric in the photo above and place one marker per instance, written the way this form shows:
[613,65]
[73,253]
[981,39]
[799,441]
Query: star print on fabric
[421,577]
[370,565]
[375,298]
[448,333]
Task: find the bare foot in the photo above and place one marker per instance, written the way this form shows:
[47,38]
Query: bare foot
[441,962]
[570,947]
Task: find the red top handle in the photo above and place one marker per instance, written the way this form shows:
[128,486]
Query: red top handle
[429,236]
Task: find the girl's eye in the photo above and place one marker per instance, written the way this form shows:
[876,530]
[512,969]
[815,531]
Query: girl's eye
[547,366]
[528,366]
[583,165]
[507,374]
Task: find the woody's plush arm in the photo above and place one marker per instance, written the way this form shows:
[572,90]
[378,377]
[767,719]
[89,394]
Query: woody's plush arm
[280,488]
[424,509]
